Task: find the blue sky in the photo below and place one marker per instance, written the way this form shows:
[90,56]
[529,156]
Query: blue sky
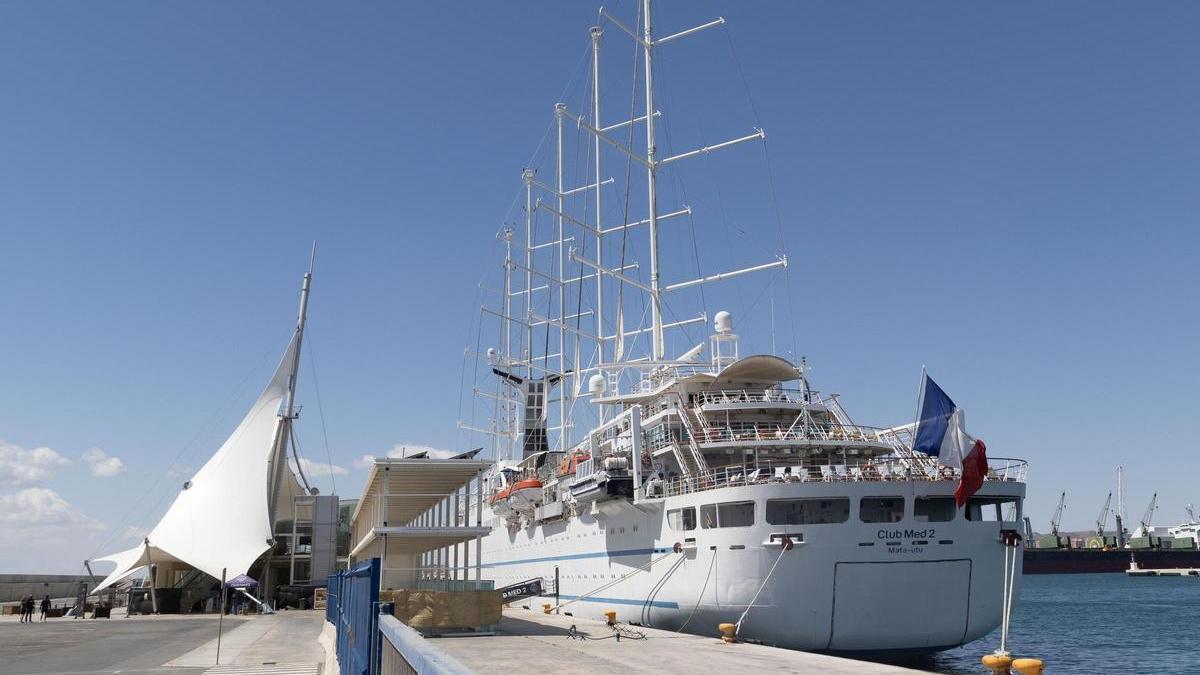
[1004,193]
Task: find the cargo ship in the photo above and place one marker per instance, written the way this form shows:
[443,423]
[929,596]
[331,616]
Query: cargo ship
[1088,560]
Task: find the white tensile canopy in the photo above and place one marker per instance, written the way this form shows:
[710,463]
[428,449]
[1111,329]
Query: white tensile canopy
[221,519]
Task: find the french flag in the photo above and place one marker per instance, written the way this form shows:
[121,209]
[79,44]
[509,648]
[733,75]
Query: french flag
[942,433]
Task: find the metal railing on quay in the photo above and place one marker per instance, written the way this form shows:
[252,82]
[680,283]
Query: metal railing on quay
[877,470]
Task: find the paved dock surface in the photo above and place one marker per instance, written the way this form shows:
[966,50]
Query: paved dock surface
[284,643]
[136,646]
[535,642]
[280,644]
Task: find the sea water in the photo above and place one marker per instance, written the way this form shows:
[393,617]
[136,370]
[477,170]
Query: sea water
[1095,623]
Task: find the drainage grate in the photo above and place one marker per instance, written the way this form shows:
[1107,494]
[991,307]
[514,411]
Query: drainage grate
[265,669]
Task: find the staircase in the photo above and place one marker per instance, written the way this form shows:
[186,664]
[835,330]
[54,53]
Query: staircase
[195,585]
[692,461]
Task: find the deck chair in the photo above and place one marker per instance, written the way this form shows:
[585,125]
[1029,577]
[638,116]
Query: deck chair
[826,473]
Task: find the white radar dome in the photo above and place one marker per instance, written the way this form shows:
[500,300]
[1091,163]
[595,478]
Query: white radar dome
[723,322]
[596,384]
[491,354]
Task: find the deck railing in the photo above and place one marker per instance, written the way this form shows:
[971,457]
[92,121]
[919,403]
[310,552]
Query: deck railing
[733,396]
[756,431]
[891,469]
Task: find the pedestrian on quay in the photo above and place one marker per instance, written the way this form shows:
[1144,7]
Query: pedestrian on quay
[45,607]
[27,608]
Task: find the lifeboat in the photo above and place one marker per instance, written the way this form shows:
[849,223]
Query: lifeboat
[525,494]
[569,463]
[499,501]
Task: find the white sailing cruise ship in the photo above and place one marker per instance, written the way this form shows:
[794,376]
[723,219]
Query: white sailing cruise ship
[713,487]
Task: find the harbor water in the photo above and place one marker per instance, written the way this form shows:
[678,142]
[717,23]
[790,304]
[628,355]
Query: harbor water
[1095,623]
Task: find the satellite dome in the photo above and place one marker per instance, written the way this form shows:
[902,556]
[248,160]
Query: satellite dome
[596,384]
[491,354]
[723,322]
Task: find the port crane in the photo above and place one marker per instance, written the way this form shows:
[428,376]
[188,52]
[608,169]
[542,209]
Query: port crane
[1149,515]
[1103,518]
[1120,515]
[1062,502]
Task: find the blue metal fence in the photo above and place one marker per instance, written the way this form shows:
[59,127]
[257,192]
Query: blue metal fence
[353,609]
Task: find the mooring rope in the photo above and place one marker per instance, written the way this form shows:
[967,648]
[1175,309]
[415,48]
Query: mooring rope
[783,549]
[612,583]
[700,598]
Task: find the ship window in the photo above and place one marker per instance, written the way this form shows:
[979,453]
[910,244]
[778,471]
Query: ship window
[682,519]
[934,509]
[729,514]
[808,511]
[993,509]
[881,509]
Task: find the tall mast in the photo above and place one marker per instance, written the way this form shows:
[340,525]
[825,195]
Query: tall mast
[652,188]
[527,177]
[291,393]
[506,345]
[597,32]
[559,110]
[284,427]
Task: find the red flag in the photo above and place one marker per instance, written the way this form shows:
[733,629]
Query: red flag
[974,468]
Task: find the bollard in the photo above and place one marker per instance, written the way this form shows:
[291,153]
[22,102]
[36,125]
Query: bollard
[611,617]
[727,632]
[1029,666]
[997,663]
[546,607]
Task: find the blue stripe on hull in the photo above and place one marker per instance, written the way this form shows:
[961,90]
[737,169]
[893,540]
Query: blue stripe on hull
[665,604]
[580,556]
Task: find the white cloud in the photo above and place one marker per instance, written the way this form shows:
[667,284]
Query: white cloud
[102,465]
[45,534]
[312,468]
[19,466]
[404,450]
[39,509]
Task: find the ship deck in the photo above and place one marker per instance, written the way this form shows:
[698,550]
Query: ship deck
[535,642]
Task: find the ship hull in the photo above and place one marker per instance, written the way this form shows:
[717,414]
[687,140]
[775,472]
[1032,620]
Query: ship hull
[843,587]
[1090,561]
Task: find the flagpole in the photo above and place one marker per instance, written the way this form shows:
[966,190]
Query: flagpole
[917,417]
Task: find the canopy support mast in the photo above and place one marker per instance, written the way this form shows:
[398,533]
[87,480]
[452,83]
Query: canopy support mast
[283,429]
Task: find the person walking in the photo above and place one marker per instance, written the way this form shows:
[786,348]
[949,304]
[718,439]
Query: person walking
[27,608]
[45,607]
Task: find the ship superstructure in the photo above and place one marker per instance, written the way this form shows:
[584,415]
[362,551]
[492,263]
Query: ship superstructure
[712,487]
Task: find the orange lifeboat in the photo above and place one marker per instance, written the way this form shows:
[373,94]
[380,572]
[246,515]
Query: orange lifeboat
[525,494]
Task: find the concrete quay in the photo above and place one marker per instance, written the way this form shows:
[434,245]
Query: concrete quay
[537,642]
[284,643]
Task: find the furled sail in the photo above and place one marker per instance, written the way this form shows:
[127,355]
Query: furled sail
[220,520]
